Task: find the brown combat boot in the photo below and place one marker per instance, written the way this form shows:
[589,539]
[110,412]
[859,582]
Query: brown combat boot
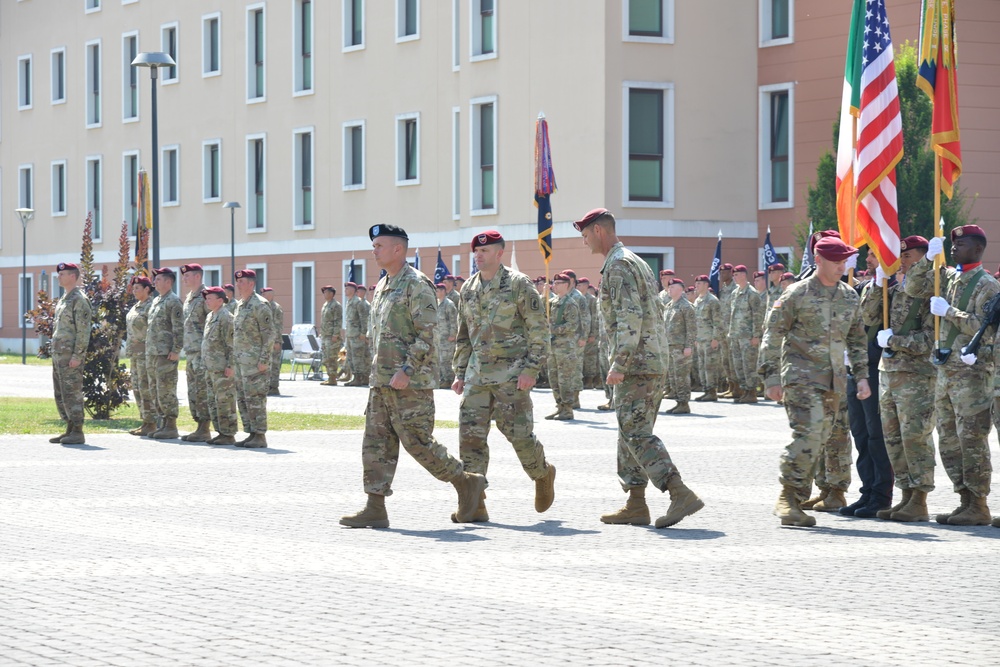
[683,502]
[682,408]
[747,397]
[202,434]
[470,487]
[635,512]
[74,436]
[834,501]
[788,510]
[966,496]
[809,504]
[709,396]
[564,414]
[222,440]
[545,489]
[481,515]
[730,391]
[168,431]
[56,439]
[914,510]
[556,413]
[976,514]
[887,513]
[576,400]
[330,382]
[246,439]
[606,407]
[373,515]
[255,441]
[996,522]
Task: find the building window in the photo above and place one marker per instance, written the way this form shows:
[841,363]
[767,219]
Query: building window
[456,164]
[261,271]
[59,187]
[91,6]
[776,145]
[212,276]
[211,170]
[211,64]
[648,144]
[303,44]
[130,190]
[354,24]
[484,29]
[57,67]
[24,83]
[456,34]
[303,293]
[26,186]
[483,146]
[302,149]
[170,176]
[256,183]
[130,77]
[95,197]
[407,20]
[408,149]
[648,21]
[359,271]
[354,155]
[776,22]
[168,44]
[94,84]
[25,299]
[256,53]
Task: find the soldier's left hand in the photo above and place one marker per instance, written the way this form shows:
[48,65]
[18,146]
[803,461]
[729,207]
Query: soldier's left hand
[525,382]
[400,380]
[968,359]
[715,344]
[614,378]
[688,351]
[262,367]
[864,390]
[939,306]
[174,356]
[582,342]
[228,372]
[74,362]
[755,342]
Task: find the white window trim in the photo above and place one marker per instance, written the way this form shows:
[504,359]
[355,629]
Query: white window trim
[474,103]
[296,184]
[52,188]
[206,173]
[22,307]
[401,22]
[667,7]
[765,24]
[456,163]
[296,294]
[164,173]
[90,10]
[346,267]
[54,287]
[778,250]
[348,154]
[401,148]
[129,2]
[28,57]
[456,35]
[205,18]
[346,46]
[164,81]
[257,268]
[52,53]
[456,265]
[126,66]
[764,146]
[251,196]
[474,14]
[250,62]
[207,268]
[1,299]
[100,84]
[30,168]
[98,228]
[126,204]
[297,51]
[668,140]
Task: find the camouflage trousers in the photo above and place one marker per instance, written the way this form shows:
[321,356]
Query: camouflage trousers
[604,365]
[331,355]
[708,365]
[357,362]
[908,425]
[445,355]
[812,413]
[140,387]
[744,360]
[725,364]
[197,386]
[406,416]
[67,384]
[565,370]
[274,372]
[963,398]
[222,401]
[162,375]
[642,457]
[591,365]
[680,373]
[512,410]
[695,373]
[833,465]
[251,397]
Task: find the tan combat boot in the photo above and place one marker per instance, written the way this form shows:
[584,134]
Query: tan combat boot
[887,513]
[976,514]
[914,510]
[966,496]
[470,487]
[809,504]
[729,392]
[788,510]
[329,382]
[75,435]
[168,431]
[576,400]
[834,501]
[709,396]
[255,441]
[56,439]
[545,489]
[202,434]
[606,407]
[682,408]
[996,522]
[373,515]
[747,397]
[635,512]
[683,502]
[565,413]
[481,515]
[222,440]
[556,413]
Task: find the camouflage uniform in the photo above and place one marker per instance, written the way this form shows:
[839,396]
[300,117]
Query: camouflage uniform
[72,323]
[217,356]
[195,313]
[164,336]
[455,297]
[725,351]
[135,323]
[708,321]
[366,353]
[277,319]
[807,333]
[591,366]
[746,318]
[668,390]
[565,362]
[963,394]
[331,321]
[445,328]
[501,334]
[404,313]
[253,342]
[356,326]
[681,330]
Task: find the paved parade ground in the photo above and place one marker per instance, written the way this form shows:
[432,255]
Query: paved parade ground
[127,551]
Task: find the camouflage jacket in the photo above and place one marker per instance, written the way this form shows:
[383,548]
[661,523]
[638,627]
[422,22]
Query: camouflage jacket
[253,335]
[708,318]
[231,306]
[446,325]
[565,323]
[366,315]
[135,328]
[746,313]
[664,297]
[278,320]
[680,322]
[913,347]
[808,331]
[165,328]
[726,299]
[217,341]
[633,314]
[355,318]
[72,323]
[454,296]
[195,312]
[331,320]
[595,325]
[773,294]
[501,329]
[404,312]
[586,324]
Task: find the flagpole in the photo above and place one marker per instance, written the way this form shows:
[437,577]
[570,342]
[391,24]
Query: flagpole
[939,232]
[854,192]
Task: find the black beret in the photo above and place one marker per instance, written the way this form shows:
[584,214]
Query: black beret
[387,230]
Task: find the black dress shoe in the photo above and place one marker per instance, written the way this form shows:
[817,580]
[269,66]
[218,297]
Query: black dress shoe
[850,510]
[870,510]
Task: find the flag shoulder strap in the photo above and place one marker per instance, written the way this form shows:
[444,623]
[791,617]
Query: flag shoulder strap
[963,303]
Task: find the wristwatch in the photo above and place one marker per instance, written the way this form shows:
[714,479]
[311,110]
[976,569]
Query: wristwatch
[408,370]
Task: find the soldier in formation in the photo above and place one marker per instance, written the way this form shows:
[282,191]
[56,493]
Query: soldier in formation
[164,340]
[746,317]
[445,333]
[195,313]
[253,344]
[70,340]
[218,360]
[728,384]
[679,319]
[135,340]
[708,323]
[331,334]
[591,372]
[565,362]
[277,320]
[356,335]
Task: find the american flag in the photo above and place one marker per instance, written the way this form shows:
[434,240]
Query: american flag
[880,140]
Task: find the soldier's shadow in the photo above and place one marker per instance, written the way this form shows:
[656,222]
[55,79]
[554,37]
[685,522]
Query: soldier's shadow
[457,534]
[688,534]
[549,528]
[988,532]
[86,448]
[880,534]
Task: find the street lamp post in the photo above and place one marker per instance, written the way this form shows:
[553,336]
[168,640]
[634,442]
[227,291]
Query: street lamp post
[154,60]
[232,206]
[25,214]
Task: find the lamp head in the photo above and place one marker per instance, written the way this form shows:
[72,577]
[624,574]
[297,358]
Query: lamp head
[231,204]
[153,59]
[25,214]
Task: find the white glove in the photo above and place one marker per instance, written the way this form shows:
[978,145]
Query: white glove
[935,247]
[883,337]
[969,359]
[851,263]
[939,306]
[847,359]
[879,277]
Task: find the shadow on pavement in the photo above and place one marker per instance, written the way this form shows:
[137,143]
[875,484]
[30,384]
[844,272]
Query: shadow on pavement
[988,532]
[259,450]
[550,528]
[675,533]
[852,532]
[463,534]
[692,414]
[85,448]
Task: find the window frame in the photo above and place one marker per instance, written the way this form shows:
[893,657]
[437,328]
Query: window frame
[348,10]
[53,79]
[208,270]
[300,291]
[206,195]
[253,208]
[475,156]
[456,163]
[298,204]
[299,57]
[347,164]
[56,213]
[260,269]
[91,6]
[25,82]
[765,19]
[206,48]
[401,16]
[128,72]
[126,189]
[251,54]
[476,13]
[166,177]
[165,29]
[345,265]
[23,296]
[456,35]
[93,108]
[94,199]
[402,121]
[29,169]
[765,201]
[669,146]
[667,15]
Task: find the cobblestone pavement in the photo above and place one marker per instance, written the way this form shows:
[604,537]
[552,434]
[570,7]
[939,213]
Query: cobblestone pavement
[137,552]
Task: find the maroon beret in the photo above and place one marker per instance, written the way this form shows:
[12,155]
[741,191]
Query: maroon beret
[758,274]
[489,237]
[726,267]
[968,230]
[591,216]
[560,278]
[64,266]
[787,276]
[190,267]
[229,286]
[571,273]
[142,280]
[328,288]
[440,286]
[677,281]
[458,279]
[245,273]
[739,268]
[666,272]
[833,249]
[540,279]
[690,289]
[362,287]
[266,290]
[776,267]
[449,277]
[217,291]
[824,234]
[703,279]
[351,284]
[165,271]
[583,281]
[912,243]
